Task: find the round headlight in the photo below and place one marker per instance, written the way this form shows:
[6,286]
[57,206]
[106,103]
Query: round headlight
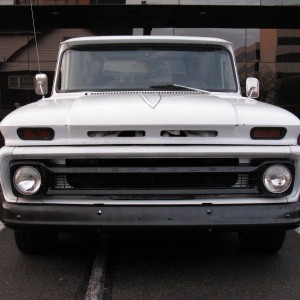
[277,179]
[27,180]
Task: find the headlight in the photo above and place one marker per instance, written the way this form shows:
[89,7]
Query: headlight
[277,179]
[27,180]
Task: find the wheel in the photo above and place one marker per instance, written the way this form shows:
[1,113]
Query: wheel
[262,241]
[35,242]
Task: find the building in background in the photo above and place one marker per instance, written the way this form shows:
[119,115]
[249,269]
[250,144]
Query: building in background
[267,45]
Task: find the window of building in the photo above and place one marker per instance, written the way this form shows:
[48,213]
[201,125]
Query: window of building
[21,82]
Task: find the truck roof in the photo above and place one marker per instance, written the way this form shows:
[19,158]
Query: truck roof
[92,40]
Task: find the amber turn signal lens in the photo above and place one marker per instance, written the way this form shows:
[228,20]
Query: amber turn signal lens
[45,134]
[268,133]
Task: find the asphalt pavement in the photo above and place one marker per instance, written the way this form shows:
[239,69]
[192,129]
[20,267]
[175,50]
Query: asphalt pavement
[149,265]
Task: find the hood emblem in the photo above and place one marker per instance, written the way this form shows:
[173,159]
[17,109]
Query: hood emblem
[152,100]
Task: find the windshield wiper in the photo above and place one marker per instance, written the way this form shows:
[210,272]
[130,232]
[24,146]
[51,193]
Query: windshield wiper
[178,86]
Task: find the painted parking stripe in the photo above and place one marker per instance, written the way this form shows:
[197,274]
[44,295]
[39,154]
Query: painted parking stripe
[1,226]
[96,286]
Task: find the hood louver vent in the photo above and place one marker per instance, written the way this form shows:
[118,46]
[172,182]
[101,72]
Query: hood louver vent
[125,133]
[163,133]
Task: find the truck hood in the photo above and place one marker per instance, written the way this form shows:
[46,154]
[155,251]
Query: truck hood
[149,118]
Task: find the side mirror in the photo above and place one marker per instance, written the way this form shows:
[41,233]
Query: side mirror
[41,84]
[252,87]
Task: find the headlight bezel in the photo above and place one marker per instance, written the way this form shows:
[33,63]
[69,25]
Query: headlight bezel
[291,169]
[39,167]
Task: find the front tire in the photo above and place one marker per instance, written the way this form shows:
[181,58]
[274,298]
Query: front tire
[35,242]
[262,241]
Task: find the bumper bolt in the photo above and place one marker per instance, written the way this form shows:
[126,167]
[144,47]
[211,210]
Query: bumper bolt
[99,212]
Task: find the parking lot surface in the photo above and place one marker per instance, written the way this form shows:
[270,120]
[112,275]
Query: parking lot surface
[149,265]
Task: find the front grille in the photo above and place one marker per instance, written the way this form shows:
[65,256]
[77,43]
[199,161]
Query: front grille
[153,177]
[152,181]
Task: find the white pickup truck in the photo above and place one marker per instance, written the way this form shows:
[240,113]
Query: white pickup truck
[149,132]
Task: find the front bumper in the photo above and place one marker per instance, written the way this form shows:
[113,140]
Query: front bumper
[227,217]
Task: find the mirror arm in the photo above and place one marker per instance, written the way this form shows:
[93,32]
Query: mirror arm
[251,91]
[40,85]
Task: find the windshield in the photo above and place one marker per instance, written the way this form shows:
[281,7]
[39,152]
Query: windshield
[149,67]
